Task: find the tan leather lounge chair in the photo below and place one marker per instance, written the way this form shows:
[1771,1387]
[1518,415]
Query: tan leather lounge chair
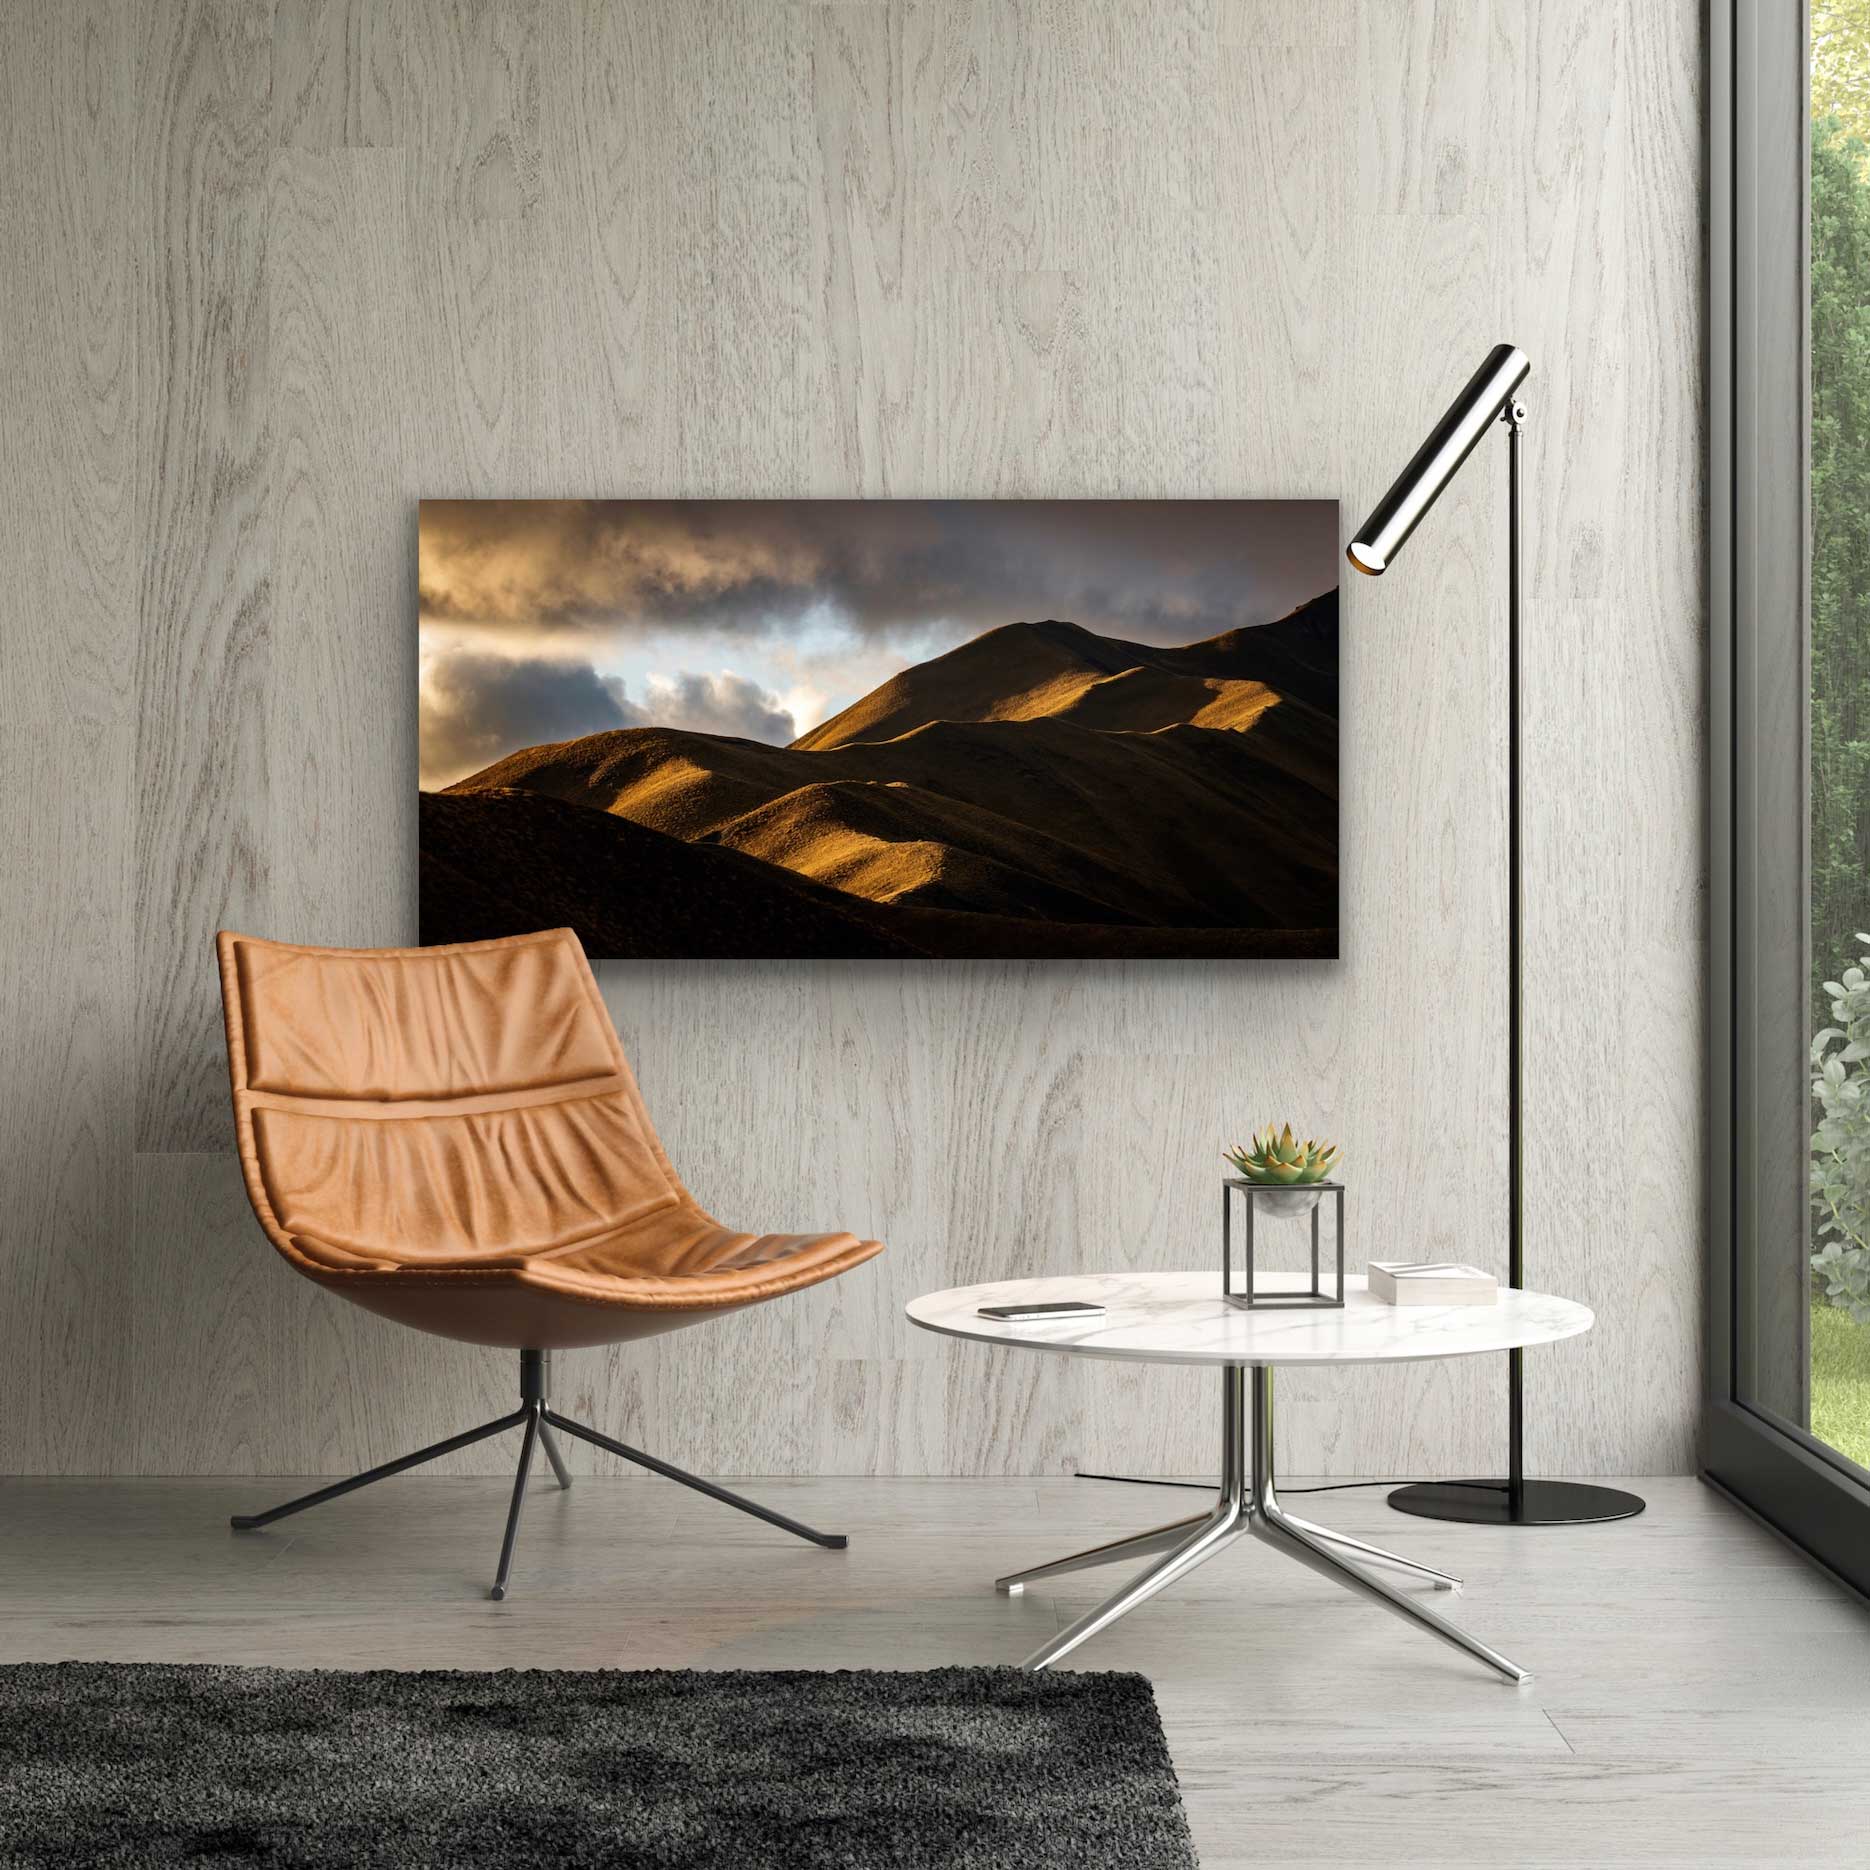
[452,1137]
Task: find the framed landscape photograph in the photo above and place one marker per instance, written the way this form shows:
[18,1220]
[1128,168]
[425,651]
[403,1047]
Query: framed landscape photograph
[882,728]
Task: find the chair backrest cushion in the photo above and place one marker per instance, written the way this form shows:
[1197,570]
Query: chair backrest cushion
[456,1106]
[386,1024]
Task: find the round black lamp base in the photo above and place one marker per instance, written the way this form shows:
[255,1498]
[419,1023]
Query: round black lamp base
[1542,1502]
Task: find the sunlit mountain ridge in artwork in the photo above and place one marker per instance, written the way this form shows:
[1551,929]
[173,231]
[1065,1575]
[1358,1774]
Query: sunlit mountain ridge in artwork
[1039,774]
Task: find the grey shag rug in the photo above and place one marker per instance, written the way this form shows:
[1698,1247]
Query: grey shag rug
[118,1763]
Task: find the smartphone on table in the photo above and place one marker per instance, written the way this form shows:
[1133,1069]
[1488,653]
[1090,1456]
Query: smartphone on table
[1033,1312]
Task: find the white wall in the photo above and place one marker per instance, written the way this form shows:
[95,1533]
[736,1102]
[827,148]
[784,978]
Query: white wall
[282,271]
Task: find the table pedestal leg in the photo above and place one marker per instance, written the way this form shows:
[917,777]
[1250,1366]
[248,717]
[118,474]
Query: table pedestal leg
[1374,1554]
[1139,1545]
[1248,1505]
[1212,1533]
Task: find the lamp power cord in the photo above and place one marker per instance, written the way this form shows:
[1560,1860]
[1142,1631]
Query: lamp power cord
[1336,1486]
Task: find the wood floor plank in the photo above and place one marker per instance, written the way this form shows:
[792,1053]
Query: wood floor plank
[1671,1720]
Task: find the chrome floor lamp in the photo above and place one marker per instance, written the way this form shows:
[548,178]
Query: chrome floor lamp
[1490,397]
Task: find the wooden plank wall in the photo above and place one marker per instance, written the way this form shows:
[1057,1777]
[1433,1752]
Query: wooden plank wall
[279,270]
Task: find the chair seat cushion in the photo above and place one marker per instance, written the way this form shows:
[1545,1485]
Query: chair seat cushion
[670,1260]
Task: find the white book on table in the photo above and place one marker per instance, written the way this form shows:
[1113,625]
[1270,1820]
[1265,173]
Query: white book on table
[1431,1282]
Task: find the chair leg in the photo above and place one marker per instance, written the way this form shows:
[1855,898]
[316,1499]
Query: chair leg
[835,1541]
[552,1454]
[533,1426]
[248,1522]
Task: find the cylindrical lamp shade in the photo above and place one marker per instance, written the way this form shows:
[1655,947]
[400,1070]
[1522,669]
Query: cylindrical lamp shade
[1434,464]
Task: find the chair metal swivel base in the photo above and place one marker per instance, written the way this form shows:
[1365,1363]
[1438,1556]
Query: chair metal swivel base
[1248,1507]
[538,1420]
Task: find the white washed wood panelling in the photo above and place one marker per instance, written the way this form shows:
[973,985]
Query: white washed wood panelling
[284,269]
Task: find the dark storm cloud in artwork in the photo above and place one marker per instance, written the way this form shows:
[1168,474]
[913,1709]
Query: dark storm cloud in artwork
[474,708]
[1158,572]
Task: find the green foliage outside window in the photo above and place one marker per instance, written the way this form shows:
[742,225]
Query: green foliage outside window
[1840,643]
[1841,63]
[1840,492]
[1841,1142]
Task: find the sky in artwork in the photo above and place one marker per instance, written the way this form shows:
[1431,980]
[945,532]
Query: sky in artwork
[545,620]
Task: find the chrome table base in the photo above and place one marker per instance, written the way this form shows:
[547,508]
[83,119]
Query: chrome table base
[1247,1507]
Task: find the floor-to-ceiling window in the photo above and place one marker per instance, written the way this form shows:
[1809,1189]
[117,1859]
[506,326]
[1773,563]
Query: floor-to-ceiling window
[1789,343]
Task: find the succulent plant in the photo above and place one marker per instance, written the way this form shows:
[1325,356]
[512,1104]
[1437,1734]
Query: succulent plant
[1281,1162]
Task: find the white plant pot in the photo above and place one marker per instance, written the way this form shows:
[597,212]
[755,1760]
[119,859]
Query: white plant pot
[1285,1204]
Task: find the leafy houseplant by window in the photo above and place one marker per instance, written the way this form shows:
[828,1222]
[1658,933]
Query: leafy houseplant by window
[1841,1143]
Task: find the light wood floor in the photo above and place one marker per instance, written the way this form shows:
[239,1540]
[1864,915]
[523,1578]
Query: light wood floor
[1700,1695]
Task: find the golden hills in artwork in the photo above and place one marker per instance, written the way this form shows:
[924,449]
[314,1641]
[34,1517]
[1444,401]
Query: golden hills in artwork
[1039,790]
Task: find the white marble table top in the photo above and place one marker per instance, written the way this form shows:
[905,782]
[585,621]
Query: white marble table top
[1182,1318]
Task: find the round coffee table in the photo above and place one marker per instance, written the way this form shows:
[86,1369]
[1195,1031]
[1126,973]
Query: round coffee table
[1184,1318]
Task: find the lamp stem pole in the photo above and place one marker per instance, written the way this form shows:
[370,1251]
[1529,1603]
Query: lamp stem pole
[1513,417]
